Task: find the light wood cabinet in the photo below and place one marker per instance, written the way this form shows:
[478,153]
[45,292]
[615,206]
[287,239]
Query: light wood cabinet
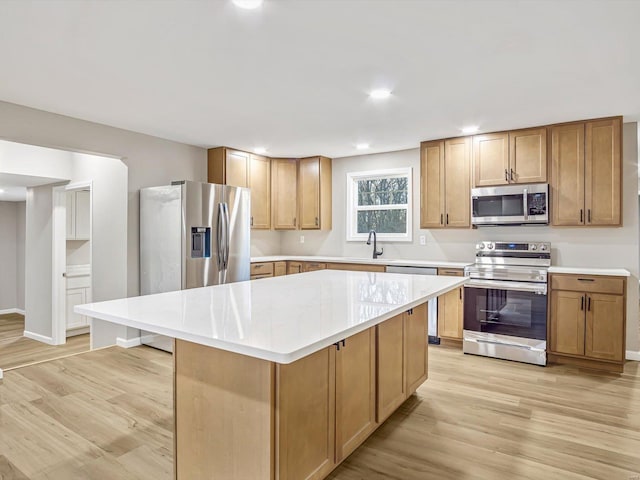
[227,166]
[279,269]
[518,156]
[261,270]
[401,358]
[284,187]
[355,392]
[491,159]
[306,443]
[445,183]
[313,266]
[260,184]
[314,179]
[451,309]
[356,267]
[78,216]
[587,321]
[294,267]
[586,173]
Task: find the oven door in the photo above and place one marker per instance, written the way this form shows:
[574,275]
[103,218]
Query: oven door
[517,309]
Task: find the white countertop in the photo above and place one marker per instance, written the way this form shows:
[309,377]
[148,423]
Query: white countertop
[360,260]
[616,272]
[280,319]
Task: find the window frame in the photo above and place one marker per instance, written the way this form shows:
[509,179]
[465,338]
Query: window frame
[353,208]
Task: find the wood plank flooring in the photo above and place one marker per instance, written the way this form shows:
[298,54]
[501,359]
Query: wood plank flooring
[107,414]
[16,350]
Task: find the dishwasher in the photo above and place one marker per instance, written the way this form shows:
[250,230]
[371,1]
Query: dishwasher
[432,307]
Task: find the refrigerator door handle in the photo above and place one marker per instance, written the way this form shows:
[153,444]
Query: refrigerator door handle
[219,237]
[226,235]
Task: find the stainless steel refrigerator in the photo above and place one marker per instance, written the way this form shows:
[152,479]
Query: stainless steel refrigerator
[192,235]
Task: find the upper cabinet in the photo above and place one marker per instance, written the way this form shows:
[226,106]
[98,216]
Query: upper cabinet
[586,173]
[284,185]
[79,215]
[260,184]
[445,183]
[510,157]
[229,167]
[314,195]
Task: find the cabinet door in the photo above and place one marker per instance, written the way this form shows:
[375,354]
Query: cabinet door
[567,322]
[306,442]
[603,172]
[457,160]
[237,168]
[284,187]
[75,296]
[355,392]
[260,176]
[392,388]
[567,174]
[491,159]
[294,267]
[309,193]
[71,215]
[279,269]
[83,215]
[432,184]
[528,155]
[415,341]
[604,337]
[450,311]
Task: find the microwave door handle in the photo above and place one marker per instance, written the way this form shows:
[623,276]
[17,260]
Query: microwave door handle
[525,204]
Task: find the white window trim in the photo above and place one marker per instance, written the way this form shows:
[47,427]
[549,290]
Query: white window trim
[352,201]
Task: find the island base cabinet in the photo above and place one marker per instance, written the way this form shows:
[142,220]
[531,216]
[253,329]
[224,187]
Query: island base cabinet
[223,414]
[305,417]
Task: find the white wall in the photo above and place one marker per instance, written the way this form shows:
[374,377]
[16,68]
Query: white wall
[8,255]
[595,247]
[21,220]
[151,161]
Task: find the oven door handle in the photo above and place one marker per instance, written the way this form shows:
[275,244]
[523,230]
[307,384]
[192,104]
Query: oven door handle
[539,288]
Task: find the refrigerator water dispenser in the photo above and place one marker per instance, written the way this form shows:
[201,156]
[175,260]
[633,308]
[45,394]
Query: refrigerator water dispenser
[200,242]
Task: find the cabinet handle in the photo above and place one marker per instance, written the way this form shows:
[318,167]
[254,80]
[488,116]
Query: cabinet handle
[506,175]
[513,174]
[588,303]
[410,311]
[294,221]
[316,221]
[337,344]
[450,272]
[460,290]
[441,219]
[581,216]
[582,302]
[586,279]
[589,215]
[447,219]
[252,221]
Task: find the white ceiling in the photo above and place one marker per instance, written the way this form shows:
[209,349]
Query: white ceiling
[13,188]
[293,75]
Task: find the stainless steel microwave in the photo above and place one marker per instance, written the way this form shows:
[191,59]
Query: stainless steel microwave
[510,205]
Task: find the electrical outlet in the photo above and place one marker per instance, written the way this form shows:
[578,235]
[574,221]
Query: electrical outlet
[301,238]
[423,240]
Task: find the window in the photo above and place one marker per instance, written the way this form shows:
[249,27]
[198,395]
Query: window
[380,201]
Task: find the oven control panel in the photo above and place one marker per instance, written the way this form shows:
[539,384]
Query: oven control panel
[544,247]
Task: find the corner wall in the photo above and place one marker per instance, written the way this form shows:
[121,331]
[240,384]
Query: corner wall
[571,246]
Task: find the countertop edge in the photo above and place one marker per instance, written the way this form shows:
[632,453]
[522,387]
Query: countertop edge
[360,261]
[612,272]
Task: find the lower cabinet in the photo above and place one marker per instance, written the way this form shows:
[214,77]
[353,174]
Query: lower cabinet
[279,269]
[78,293]
[451,309]
[261,270]
[313,266]
[356,267]
[401,359]
[294,267]
[587,321]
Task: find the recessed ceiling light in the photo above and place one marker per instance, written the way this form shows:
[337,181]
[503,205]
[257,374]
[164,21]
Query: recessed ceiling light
[247,4]
[471,129]
[362,146]
[260,150]
[380,93]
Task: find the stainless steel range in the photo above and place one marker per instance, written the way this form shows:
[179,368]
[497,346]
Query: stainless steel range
[505,302]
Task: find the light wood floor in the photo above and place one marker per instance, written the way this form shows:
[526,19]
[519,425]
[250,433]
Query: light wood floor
[16,350]
[107,414]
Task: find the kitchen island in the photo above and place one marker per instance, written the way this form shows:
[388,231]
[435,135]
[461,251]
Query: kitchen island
[285,377]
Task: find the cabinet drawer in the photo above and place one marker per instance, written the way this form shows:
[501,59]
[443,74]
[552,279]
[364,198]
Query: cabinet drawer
[588,283]
[452,272]
[312,266]
[262,268]
[258,277]
[81,281]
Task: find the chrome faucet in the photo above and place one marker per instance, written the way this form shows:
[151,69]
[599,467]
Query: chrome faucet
[376,253]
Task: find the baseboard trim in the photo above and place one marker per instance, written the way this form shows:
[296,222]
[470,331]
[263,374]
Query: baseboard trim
[1,374]
[132,342]
[38,337]
[7,311]
[631,355]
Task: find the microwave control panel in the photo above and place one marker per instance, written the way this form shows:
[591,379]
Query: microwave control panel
[537,203]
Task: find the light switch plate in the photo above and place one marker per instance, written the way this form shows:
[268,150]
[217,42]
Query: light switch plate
[301,238]
[423,240]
